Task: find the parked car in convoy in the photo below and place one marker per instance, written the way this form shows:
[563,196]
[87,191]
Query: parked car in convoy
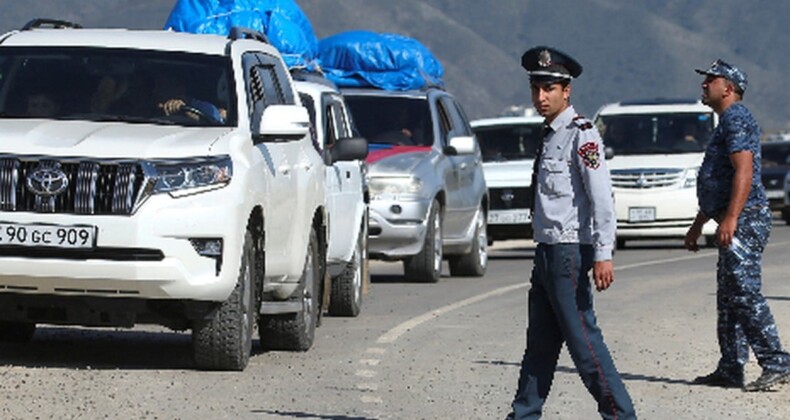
[428,197]
[346,192]
[508,146]
[209,217]
[658,147]
[775,163]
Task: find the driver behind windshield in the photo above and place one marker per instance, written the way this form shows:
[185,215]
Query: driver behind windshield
[172,98]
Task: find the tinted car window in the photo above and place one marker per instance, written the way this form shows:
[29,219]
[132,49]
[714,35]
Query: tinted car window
[509,142]
[392,120]
[665,133]
[775,154]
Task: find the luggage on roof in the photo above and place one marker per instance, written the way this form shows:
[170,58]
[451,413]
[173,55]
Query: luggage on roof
[282,21]
[384,61]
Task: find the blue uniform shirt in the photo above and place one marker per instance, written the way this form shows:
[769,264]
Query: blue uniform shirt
[737,131]
[574,202]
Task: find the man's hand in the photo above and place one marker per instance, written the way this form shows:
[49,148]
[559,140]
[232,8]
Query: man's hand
[692,235]
[603,273]
[172,106]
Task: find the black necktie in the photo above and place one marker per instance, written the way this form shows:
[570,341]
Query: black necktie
[536,166]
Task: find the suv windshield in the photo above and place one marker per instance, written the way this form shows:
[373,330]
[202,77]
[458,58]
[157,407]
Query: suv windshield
[116,85]
[775,154]
[500,143]
[392,120]
[658,133]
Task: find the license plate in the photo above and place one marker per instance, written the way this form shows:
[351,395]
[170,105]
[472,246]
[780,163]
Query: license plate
[47,235]
[641,214]
[774,193]
[509,217]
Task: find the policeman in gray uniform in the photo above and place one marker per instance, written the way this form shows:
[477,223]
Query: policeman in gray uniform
[574,226]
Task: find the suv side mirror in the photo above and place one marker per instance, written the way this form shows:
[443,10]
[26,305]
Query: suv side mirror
[350,148]
[282,123]
[461,145]
[608,152]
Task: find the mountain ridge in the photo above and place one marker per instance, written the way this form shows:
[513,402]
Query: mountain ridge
[629,50]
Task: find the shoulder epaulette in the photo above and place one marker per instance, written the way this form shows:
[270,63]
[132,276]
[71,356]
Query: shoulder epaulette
[582,122]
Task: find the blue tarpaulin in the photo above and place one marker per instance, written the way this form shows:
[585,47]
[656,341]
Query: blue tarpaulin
[380,60]
[282,21]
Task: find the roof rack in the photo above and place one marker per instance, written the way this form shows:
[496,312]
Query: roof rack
[238,32]
[50,23]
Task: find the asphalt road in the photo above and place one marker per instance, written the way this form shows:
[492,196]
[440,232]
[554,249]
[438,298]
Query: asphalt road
[449,350]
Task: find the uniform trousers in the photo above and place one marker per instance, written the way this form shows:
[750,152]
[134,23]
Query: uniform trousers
[561,311]
[744,318]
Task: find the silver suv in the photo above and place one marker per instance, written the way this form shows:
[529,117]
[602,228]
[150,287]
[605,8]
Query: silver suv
[158,177]
[428,197]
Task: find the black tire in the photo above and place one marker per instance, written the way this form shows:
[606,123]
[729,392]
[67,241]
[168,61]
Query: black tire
[296,331]
[620,243]
[427,265]
[346,294]
[17,332]
[475,263]
[224,341]
[710,241]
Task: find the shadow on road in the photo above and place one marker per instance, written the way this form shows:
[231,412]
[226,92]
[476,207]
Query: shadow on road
[98,349]
[302,415]
[571,370]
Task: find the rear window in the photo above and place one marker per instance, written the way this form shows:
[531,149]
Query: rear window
[500,143]
[658,133]
[392,120]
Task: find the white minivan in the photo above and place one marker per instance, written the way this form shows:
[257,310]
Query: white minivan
[658,147]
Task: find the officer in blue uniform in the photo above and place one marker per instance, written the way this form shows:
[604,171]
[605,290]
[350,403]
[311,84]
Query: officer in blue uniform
[574,226]
[730,192]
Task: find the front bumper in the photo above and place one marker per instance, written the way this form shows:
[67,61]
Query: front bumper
[673,213]
[146,255]
[397,228]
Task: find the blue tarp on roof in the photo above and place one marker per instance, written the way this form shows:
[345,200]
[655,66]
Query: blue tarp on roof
[282,21]
[384,61]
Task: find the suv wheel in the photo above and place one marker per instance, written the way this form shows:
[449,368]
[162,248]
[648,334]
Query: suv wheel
[296,331]
[224,341]
[474,263]
[427,265]
[346,293]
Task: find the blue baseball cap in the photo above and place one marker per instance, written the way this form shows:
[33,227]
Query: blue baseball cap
[721,68]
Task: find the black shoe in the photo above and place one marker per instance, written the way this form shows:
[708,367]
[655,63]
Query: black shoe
[767,380]
[719,379]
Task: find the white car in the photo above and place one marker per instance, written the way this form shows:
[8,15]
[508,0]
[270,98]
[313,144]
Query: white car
[346,192]
[657,148]
[115,212]
[509,145]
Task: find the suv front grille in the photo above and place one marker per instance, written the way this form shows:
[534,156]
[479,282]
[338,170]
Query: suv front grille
[92,186]
[645,178]
[509,198]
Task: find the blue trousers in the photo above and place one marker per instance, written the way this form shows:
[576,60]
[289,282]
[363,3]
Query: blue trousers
[744,318]
[561,311]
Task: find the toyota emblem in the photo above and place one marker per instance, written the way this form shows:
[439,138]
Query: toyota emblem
[47,180]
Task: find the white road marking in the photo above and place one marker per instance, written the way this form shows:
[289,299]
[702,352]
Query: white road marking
[376,350]
[364,373]
[368,399]
[370,387]
[396,332]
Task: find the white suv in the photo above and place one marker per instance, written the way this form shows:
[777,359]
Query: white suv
[346,192]
[509,145]
[119,206]
[657,149]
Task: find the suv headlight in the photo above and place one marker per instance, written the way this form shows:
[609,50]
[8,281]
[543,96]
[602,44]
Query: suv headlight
[690,178]
[395,187]
[189,176]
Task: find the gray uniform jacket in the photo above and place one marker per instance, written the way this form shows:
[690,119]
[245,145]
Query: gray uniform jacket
[574,202]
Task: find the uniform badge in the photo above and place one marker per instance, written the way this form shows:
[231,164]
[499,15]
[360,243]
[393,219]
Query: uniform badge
[590,155]
[544,58]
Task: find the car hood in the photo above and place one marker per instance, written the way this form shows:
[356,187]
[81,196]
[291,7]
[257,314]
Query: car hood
[678,161]
[516,173]
[106,140]
[391,160]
